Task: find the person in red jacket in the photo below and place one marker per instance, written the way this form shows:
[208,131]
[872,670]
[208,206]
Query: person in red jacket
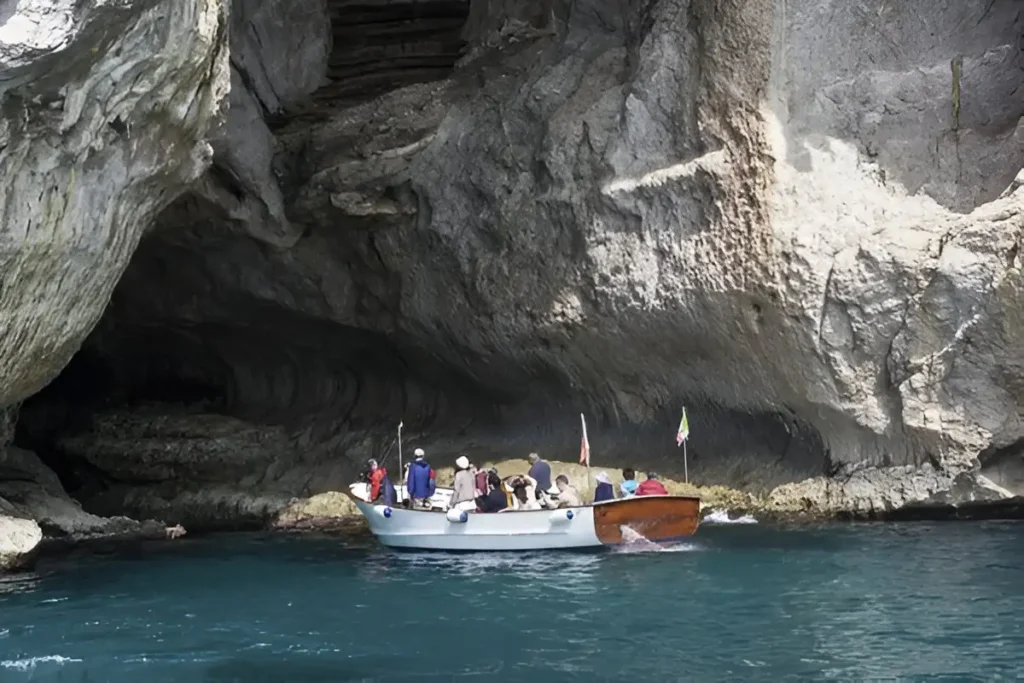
[651,487]
[377,475]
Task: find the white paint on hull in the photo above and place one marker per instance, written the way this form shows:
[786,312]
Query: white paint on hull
[532,530]
[439,501]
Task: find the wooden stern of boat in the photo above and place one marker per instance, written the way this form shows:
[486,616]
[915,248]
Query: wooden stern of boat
[656,518]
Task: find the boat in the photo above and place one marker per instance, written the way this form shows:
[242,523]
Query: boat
[658,519]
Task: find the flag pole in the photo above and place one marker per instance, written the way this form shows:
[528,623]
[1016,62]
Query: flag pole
[682,435]
[686,468]
[586,442]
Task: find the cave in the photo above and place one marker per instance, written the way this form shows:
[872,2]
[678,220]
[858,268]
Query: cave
[482,218]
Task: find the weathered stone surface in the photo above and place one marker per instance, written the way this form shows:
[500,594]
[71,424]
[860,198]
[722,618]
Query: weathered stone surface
[800,219]
[30,490]
[330,510]
[105,107]
[18,539]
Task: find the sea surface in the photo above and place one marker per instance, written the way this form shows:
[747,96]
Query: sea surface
[742,602]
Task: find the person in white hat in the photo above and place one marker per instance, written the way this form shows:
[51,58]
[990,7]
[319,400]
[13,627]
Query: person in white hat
[604,489]
[463,495]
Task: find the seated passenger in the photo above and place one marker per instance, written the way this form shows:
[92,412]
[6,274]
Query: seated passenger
[651,487]
[604,490]
[524,494]
[568,496]
[495,499]
[629,483]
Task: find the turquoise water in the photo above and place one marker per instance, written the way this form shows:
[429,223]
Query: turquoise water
[738,603]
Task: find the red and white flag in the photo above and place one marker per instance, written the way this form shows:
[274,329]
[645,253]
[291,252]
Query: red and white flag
[584,444]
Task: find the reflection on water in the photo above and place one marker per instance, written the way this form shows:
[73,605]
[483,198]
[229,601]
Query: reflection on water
[737,602]
[18,583]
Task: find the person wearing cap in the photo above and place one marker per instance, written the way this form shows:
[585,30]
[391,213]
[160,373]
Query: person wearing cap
[420,480]
[651,487]
[464,485]
[603,490]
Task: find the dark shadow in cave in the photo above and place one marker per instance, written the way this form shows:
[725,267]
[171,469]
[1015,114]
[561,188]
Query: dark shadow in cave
[378,47]
[1005,466]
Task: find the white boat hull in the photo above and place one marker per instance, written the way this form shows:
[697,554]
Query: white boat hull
[532,530]
[655,518]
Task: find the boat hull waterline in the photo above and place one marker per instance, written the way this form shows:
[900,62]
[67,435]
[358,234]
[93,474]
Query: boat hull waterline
[654,518]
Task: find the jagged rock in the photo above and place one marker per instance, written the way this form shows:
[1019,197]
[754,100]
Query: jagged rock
[153,445]
[800,219]
[31,490]
[18,540]
[330,510]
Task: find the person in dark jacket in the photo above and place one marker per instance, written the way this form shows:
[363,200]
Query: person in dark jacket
[420,481]
[540,471]
[388,495]
[604,490]
[495,499]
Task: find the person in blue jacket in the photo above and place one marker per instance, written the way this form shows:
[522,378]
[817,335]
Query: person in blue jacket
[421,481]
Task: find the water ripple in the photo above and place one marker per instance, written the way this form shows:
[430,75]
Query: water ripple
[739,602]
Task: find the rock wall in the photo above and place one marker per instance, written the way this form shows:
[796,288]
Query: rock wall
[801,219]
[104,111]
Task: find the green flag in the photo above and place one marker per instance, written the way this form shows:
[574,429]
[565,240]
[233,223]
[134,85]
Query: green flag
[684,430]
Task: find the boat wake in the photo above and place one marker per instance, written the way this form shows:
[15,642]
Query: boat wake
[635,542]
[722,517]
[32,662]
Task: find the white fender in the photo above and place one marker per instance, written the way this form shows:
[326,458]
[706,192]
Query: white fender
[457,516]
[562,516]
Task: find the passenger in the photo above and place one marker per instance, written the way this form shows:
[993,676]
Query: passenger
[604,490]
[372,477]
[524,493]
[380,485]
[377,473]
[568,496]
[651,487]
[463,496]
[480,483]
[541,471]
[421,481]
[494,500]
[629,483]
[508,489]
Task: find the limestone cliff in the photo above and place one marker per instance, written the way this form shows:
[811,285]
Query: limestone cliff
[105,111]
[798,218]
